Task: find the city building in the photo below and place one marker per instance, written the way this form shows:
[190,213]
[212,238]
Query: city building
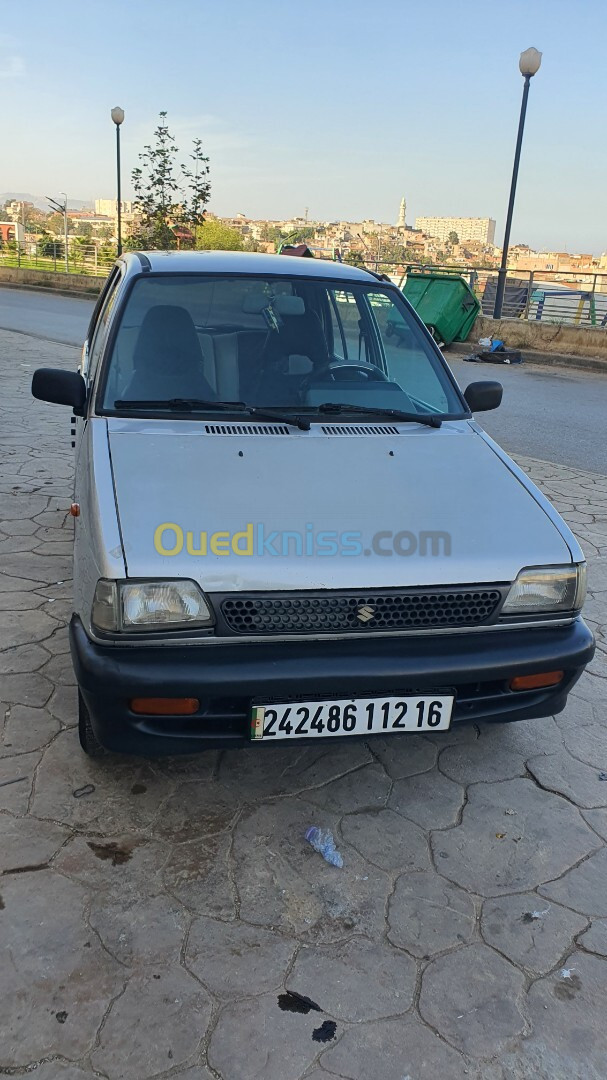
[479,230]
[109,207]
[402,213]
[16,210]
[11,232]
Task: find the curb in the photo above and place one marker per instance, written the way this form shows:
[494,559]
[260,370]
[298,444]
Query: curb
[75,294]
[540,359]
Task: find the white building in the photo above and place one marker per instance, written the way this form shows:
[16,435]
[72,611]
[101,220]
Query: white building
[109,207]
[469,230]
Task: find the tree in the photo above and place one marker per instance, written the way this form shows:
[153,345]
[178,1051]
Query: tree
[56,223]
[215,236]
[354,258]
[80,249]
[271,234]
[168,194]
[49,245]
[453,238]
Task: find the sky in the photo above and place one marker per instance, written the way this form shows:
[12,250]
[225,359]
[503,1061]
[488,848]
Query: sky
[340,106]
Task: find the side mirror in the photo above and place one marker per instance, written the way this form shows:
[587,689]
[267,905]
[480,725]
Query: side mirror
[60,387]
[483,396]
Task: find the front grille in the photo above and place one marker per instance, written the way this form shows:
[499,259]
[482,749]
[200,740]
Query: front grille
[365,611]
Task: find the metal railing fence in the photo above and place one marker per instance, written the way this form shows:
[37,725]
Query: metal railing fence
[576,298]
[84,256]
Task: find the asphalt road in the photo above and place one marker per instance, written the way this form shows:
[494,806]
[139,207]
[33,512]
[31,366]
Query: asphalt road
[44,315]
[552,415]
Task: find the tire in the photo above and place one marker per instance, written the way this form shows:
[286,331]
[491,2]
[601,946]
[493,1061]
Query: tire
[88,740]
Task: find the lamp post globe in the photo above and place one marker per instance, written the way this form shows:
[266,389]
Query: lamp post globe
[529,62]
[117,114]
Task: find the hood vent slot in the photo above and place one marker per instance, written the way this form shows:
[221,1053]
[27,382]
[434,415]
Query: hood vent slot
[359,429]
[246,429]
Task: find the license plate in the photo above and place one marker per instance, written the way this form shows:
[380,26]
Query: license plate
[351,716]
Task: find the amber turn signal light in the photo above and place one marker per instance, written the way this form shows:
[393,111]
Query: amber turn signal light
[536,682]
[164,706]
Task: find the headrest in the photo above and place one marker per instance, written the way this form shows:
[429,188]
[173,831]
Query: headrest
[254,303]
[289,305]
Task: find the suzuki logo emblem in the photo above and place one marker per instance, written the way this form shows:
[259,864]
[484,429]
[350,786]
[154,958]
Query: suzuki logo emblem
[365,613]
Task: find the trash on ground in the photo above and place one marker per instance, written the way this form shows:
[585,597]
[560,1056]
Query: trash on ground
[88,789]
[533,916]
[16,780]
[603,776]
[494,351]
[322,841]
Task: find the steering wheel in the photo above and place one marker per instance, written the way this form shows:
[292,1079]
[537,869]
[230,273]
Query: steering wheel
[337,372]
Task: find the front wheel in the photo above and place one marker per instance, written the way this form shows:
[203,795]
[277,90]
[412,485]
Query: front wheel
[88,740]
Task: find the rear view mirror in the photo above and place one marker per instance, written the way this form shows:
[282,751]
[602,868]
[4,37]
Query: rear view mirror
[483,396]
[60,387]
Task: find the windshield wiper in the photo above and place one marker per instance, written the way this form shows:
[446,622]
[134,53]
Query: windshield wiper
[200,404]
[397,414]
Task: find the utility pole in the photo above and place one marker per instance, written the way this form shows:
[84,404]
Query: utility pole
[117,115]
[67,268]
[529,65]
[60,208]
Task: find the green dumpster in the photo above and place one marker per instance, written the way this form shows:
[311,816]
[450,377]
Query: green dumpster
[445,302]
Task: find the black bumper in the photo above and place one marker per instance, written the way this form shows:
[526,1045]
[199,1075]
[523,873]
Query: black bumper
[227,677]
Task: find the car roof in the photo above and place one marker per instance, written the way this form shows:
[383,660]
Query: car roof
[242,262]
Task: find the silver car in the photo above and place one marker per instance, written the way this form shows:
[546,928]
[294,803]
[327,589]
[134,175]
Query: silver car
[288,524]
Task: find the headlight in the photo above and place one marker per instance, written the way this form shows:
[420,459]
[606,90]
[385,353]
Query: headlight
[149,605]
[547,589]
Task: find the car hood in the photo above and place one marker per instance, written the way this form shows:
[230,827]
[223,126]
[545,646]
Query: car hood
[462,515]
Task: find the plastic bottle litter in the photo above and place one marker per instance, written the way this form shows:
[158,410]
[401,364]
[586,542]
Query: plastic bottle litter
[322,841]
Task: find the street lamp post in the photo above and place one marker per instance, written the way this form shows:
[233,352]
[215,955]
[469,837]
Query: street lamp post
[65,229]
[529,65]
[118,117]
[61,208]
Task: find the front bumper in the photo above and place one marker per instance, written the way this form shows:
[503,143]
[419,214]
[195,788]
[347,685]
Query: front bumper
[227,677]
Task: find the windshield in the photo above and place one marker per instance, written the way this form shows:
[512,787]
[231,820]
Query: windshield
[282,343]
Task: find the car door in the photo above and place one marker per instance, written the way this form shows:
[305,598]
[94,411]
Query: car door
[94,344]
[87,564]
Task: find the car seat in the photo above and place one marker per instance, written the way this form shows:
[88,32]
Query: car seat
[167,358]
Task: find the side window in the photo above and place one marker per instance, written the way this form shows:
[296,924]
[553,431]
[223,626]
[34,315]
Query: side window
[98,329]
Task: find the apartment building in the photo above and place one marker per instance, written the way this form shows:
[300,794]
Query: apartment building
[108,207]
[478,230]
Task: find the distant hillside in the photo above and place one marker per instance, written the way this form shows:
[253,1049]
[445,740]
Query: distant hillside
[40,201]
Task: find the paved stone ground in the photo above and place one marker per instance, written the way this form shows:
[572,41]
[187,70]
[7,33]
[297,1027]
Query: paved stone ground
[160,919]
